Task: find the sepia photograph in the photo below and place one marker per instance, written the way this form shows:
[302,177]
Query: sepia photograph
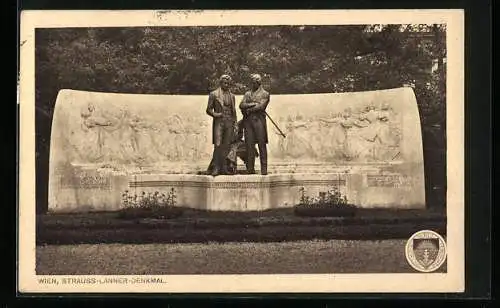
[242,151]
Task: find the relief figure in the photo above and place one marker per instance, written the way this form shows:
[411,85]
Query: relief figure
[297,143]
[355,145]
[98,128]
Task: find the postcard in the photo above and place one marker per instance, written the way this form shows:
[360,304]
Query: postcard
[231,151]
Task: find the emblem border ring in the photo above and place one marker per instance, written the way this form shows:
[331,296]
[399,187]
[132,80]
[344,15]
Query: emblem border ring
[440,258]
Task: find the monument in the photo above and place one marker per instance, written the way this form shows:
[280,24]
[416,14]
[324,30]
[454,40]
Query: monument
[367,144]
[222,108]
[253,108]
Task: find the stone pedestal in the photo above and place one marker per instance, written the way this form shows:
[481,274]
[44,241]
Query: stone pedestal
[257,192]
[367,187]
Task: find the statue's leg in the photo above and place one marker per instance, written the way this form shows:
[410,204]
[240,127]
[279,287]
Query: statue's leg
[260,135]
[227,137]
[250,145]
[217,149]
[212,163]
[231,167]
[242,154]
[263,157]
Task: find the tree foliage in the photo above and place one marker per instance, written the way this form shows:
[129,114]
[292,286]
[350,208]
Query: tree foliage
[292,59]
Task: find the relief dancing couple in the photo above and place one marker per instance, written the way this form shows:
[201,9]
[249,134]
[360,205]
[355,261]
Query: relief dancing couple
[227,133]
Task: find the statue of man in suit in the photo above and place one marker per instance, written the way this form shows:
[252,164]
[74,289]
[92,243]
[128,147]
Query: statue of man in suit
[221,107]
[253,107]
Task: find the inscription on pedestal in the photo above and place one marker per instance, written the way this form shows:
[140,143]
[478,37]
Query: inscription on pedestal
[86,181]
[387,180]
[238,185]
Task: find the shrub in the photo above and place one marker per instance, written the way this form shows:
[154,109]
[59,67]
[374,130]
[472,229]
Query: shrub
[326,203]
[150,205]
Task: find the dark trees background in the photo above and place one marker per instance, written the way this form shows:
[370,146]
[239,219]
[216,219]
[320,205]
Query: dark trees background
[292,60]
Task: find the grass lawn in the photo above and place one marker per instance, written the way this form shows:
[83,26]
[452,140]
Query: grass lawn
[332,256]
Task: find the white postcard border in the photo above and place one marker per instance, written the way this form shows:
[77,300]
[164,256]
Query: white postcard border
[452,281]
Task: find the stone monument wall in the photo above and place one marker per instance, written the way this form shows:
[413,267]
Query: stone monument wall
[101,142]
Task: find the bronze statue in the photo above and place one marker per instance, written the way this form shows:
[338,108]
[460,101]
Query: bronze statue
[237,149]
[221,106]
[253,107]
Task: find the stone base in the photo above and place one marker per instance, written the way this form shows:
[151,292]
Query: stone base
[82,189]
[104,190]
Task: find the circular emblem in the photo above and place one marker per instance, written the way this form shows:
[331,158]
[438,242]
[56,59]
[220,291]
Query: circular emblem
[426,251]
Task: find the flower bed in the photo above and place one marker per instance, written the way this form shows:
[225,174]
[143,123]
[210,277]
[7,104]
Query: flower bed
[150,205]
[328,203]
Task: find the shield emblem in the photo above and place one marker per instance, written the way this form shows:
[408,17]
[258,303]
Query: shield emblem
[426,251]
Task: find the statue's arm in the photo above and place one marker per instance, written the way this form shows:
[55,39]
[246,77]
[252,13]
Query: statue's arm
[331,121]
[262,104]
[246,103]
[210,107]
[360,124]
